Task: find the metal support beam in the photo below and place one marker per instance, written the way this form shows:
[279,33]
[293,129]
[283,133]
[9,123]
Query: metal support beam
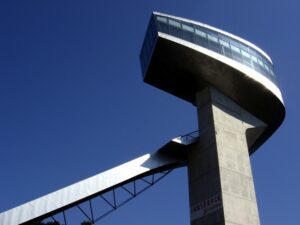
[156,165]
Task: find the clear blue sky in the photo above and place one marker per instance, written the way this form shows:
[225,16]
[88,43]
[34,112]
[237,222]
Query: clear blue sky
[73,104]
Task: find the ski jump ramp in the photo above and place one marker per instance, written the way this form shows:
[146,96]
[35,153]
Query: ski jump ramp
[170,156]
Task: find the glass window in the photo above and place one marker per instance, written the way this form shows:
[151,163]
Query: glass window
[246,58]
[261,63]
[174,23]
[224,43]
[162,24]
[234,43]
[175,28]
[236,53]
[188,32]
[245,54]
[224,37]
[252,51]
[244,47]
[254,59]
[214,43]
[187,28]
[235,49]
[161,19]
[225,48]
[200,33]
[212,38]
[200,38]
[227,52]
[266,67]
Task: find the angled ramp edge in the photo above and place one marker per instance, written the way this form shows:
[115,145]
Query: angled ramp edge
[170,156]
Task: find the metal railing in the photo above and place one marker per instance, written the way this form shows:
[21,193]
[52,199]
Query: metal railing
[188,139]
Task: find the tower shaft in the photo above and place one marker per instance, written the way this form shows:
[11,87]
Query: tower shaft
[221,188]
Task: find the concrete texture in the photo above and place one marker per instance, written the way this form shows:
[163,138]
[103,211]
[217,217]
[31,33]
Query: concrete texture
[221,185]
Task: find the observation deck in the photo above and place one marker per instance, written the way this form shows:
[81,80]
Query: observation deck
[182,57]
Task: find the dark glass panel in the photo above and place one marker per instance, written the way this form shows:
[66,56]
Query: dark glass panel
[187,28]
[247,62]
[215,46]
[256,66]
[244,47]
[199,40]
[175,28]
[234,42]
[161,19]
[162,24]
[200,32]
[246,57]
[227,52]
[188,36]
[225,48]
[188,32]
[236,53]
[213,43]
[224,38]
[163,27]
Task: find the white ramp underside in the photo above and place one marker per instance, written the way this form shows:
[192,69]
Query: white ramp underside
[169,156]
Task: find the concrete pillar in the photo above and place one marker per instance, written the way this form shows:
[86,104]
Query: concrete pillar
[221,188]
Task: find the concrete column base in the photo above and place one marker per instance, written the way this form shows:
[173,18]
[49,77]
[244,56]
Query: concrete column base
[221,188]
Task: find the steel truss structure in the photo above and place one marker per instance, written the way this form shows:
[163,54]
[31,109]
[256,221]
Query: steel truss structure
[130,179]
[132,189]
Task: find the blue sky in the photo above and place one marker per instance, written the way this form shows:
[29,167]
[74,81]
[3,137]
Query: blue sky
[73,102]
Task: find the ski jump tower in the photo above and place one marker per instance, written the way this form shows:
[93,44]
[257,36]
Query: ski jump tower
[232,84]
[239,106]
